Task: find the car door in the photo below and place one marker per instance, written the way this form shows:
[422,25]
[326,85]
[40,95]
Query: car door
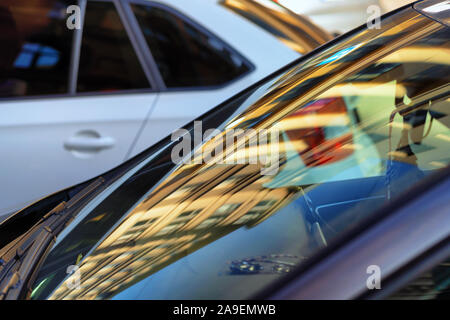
[61,122]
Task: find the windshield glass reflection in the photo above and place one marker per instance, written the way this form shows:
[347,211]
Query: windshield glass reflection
[355,132]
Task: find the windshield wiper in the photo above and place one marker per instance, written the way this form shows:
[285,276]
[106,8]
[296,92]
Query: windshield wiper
[19,264]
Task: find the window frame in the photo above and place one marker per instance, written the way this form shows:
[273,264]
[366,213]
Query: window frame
[151,61]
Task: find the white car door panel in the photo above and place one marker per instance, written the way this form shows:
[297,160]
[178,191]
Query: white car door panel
[57,143]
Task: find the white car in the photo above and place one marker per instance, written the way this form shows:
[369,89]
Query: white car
[340,16]
[83,90]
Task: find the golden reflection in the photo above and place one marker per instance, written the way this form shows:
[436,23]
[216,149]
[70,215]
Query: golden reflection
[211,205]
[199,203]
[413,28]
[416,54]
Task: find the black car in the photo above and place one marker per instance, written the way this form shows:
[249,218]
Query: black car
[346,198]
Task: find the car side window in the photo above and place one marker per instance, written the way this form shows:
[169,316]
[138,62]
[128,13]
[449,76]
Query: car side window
[185,55]
[35,48]
[433,284]
[108,61]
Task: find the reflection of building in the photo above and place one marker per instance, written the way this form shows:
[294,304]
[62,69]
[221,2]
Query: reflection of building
[179,218]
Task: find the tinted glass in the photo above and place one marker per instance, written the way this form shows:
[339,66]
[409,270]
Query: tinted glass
[108,61]
[186,55]
[348,131]
[35,47]
[431,285]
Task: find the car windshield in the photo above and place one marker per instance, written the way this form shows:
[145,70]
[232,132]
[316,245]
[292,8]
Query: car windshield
[314,152]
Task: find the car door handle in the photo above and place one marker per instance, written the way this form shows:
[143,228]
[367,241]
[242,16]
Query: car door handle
[88,143]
